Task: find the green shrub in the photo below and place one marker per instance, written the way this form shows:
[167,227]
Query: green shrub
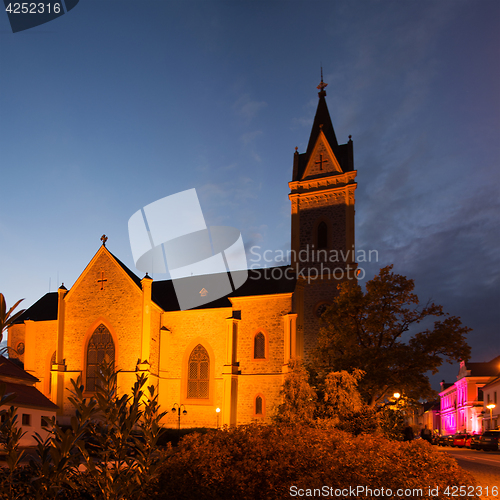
[254,462]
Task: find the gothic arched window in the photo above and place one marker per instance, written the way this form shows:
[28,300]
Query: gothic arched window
[101,348]
[322,235]
[258,405]
[198,373]
[259,346]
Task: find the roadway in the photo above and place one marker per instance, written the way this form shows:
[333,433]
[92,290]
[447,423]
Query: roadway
[491,458]
[483,465]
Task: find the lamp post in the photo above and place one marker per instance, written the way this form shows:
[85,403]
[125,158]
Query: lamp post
[396,396]
[177,408]
[490,407]
[217,410]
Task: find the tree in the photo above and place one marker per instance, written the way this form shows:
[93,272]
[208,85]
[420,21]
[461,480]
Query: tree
[7,318]
[299,398]
[341,395]
[366,330]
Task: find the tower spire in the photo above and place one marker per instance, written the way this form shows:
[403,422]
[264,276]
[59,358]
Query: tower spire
[321,86]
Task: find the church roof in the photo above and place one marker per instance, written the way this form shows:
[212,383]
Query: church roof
[132,275]
[268,281]
[259,282]
[322,121]
[44,309]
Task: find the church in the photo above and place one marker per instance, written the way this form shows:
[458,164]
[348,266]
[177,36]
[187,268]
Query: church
[224,362]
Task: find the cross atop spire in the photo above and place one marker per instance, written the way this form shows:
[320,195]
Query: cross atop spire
[322,85]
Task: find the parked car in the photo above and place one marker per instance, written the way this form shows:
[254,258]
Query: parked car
[449,440]
[459,440]
[443,440]
[473,442]
[489,440]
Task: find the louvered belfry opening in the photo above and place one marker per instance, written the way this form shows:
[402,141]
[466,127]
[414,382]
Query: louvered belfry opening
[101,348]
[198,373]
[322,235]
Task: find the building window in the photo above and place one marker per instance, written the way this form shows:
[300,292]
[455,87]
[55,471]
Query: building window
[101,349]
[258,405]
[321,308]
[322,235]
[259,346]
[26,419]
[198,373]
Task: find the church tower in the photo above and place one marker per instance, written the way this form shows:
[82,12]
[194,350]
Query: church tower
[322,196]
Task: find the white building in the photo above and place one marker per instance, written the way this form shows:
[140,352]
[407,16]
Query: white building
[490,396]
[32,406]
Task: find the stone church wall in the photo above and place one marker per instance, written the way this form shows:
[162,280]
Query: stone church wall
[118,306]
[187,329]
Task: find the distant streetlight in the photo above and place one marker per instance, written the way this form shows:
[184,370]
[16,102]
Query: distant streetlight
[397,395]
[490,407]
[178,410]
[217,411]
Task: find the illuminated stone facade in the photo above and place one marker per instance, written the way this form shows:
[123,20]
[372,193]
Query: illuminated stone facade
[233,353]
[462,403]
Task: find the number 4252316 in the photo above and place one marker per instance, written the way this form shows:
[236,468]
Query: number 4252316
[33,8]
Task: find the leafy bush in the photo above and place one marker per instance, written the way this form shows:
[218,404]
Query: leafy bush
[108,452]
[299,398]
[273,462]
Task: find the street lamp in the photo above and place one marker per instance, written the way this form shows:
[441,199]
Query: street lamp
[178,410]
[396,396]
[490,407]
[217,410]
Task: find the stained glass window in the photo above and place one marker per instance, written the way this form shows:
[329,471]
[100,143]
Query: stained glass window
[101,349]
[198,373]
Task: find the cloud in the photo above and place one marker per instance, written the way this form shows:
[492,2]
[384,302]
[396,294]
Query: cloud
[250,137]
[247,108]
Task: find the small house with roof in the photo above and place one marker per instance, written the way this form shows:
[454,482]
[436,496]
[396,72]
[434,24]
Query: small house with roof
[33,408]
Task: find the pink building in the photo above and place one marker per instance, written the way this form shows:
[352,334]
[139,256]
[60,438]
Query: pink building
[462,402]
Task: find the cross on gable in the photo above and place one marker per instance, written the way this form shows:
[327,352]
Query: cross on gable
[321,161]
[102,280]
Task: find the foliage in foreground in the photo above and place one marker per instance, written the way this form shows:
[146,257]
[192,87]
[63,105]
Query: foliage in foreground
[109,452]
[334,401]
[250,462]
[8,318]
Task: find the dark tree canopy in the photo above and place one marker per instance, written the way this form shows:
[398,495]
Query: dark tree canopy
[364,330]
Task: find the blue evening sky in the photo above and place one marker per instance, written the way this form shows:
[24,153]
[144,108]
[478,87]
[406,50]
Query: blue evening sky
[118,103]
